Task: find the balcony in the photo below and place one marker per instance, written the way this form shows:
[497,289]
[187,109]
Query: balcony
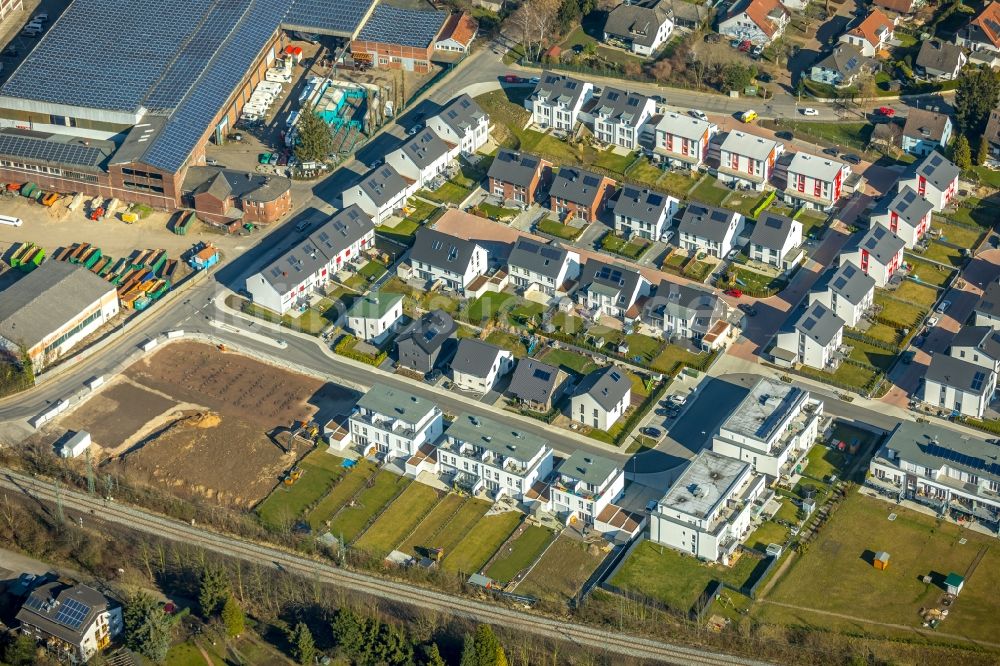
[395,426]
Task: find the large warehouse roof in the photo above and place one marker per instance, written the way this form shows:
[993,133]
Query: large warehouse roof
[407,27]
[336,17]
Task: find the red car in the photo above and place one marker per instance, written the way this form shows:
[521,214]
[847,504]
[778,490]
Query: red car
[886,111]
[512,78]
[735,293]
[746,45]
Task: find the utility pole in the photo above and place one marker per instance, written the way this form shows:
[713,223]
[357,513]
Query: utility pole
[90,474]
[59,506]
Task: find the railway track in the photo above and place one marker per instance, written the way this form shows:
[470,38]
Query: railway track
[167,528]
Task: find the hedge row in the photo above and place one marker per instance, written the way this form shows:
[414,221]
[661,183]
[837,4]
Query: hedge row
[345,347]
[881,344]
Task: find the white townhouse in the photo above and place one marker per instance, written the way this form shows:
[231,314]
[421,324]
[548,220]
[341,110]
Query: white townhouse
[812,340]
[618,116]
[847,291]
[372,317]
[74,622]
[304,271]
[482,454]
[776,240]
[394,422]
[872,35]
[815,182]
[601,398]
[987,309]
[772,428]
[747,160]
[979,345]
[462,123]
[478,365]
[643,213]
[959,385]
[640,29]
[683,311]
[708,229]
[708,510]
[541,266]
[557,100]
[584,486]
[380,194]
[422,158]
[610,289]
[934,178]
[880,254]
[757,21]
[942,468]
[906,214]
[454,261]
[682,140]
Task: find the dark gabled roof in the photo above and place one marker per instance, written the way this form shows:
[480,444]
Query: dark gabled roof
[429,332]
[992,132]
[606,386]
[984,338]
[819,324]
[934,447]
[848,282]
[636,23]
[533,381]
[475,357]
[558,88]
[541,258]
[610,278]
[621,106]
[958,373]
[416,28]
[935,168]
[424,148]
[989,304]
[771,230]
[576,186]
[940,55]
[925,125]
[240,184]
[906,204]
[682,10]
[462,114]
[515,168]
[64,611]
[706,221]
[641,204]
[882,244]
[845,59]
[442,250]
[383,184]
[702,307]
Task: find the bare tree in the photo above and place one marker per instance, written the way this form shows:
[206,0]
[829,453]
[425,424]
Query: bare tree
[531,24]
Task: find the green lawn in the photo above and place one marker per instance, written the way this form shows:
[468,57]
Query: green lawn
[402,232]
[527,310]
[844,135]
[676,183]
[943,254]
[788,511]
[885,333]
[563,570]
[851,375]
[769,532]
[631,249]
[870,354]
[450,192]
[351,520]
[508,341]
[480,542]
[672,355]
[976,212]
[420,210]
[744,203]
[569,360]
[699,270]
[953,233]
[813,223]
[612,161]
[836,573]
[558,229]
[309,321]
[396,522]
[825,461]
[490,305]
[349,484]
[567,323]
[320,471]
[928,273]
[446,525]
[895,310]
[580,38]
[521,553]
[918,294]
[987,176]
[748,279]
[643,346]
[709,192]
[497,212]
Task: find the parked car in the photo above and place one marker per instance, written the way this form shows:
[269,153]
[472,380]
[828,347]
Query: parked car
[735,293]
[851,158]
[651,432]
[735,43]
[886,111]
[943,307]
[809,111]
[534,79]
[700,115]
[932,322]
[831,151]
[757,51]
[416,128]
[677,399]
[745,45]
[748,116]
[662,411]
[376,163]
[750,310]
[666,236]
[784,134]
[511,78]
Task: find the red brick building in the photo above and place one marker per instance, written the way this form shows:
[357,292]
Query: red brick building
[232,198]
[396,38]
[517,176]
[579,193]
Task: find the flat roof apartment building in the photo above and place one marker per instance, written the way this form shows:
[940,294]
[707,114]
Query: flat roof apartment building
[394,423]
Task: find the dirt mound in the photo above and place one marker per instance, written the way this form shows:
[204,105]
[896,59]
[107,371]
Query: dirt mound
[203,421]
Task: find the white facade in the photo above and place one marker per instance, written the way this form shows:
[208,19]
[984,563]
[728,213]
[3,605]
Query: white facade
[760,22]
[601,299]
[584,486]
[468,139]
[650,228]
[421,174]
[560,112]
[585,409]
[881,268]
[775,256]
[747,160]
[380,205]
[526,277]
[394,423]
[371,324]
[816,182]
[902,216]
[850,298]
[616,131]
[502,364]
[772,428]
[939,192]
[958,385]
[718,241]
[815,337]
[458,278]
[708,510]
[872,35]
[682,140]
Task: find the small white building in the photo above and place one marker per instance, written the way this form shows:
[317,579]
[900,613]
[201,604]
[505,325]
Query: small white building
[454,261]
[643,213]
[394,423]
[815,182]
[847,291]
[879,255]
[684,311]
[557,100]
[75,445]
[462,123]
[640,29]
[872,35]
[542,266]
[423,157]
[611,289]
[482,454]
[772,428]
[776,240]
[934,178]
[584,486]
[601,398]
[75,622]
[380,194]
[758,21]
[958,385]
[708,510]
[747,160]
[979,345]
[812,340]
[478,365]
[372,317]
[618,116]
[708,229]
[682,140]
[906,214]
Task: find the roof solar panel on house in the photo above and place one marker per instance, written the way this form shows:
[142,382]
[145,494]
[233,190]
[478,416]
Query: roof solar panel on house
[655,199]
[334,17]
[72,613]
[34,603]
[40,150]
[977,380]
[406,27]
[592,181]
[544,375]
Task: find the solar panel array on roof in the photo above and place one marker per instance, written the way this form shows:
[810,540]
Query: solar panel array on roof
[592,181]
[406,27]
[35,603]
[809,323]
[550,252]
[41,150]
[338,17]
[544,375]
[610,274]
[977,380]
[72,613]
[974,462]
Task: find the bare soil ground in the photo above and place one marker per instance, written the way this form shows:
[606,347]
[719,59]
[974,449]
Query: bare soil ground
[116,413]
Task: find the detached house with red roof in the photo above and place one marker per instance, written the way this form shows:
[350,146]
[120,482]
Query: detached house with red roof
[758,21]
[983,32]
[872,35]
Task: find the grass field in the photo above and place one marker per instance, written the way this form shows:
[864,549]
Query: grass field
[870,354]
[480,542]
[710,192]
[348,485]
[320,471]
[558,229]
[350,521]
[449,192]
[918,294]
[855,377]
[813,223]
[943,254]
[748,279]
[563,570]
[928,273]
[618,245]
[977,212]
[446,525]
[885,333]
[671,355]
[845,135]
[396,522]
[487,306]
[894,309]
[953,233]
[767,533]
[523,551]
[508,341]
[836,573]
[824,461]
[569,360]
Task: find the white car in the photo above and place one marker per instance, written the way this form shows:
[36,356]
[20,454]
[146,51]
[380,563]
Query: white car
[943,307]
[677,399]
[700,115]
[932,322]
[666,236]
[810,112]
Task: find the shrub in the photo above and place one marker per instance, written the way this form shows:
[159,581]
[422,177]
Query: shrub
[345,347]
